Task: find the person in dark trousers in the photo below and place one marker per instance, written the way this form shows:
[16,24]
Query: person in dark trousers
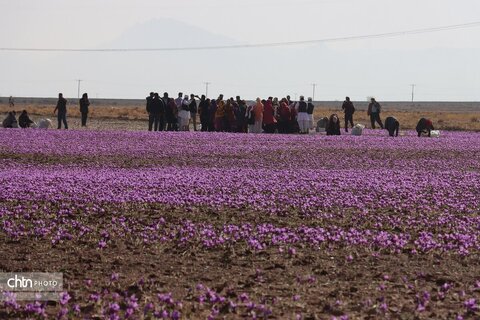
[424,126]
[212,112]
[269,121]
[171,114]
[62,111]
[374,109]
[163,118]
[240,110]
[203,111]
[285,117]
[156,112]
[349,109]
[333,126]
[84,104]
[393,126]
[149,111]
[24,120]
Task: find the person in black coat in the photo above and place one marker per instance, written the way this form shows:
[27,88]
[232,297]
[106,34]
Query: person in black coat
[393,126]
[203,110]
[149,111]
[333,127]
[84,104]
[24,120]
[10,121]
[424,126]
[62,111]
[349,109]
[157,110]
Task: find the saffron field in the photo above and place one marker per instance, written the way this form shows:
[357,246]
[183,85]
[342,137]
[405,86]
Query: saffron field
[214,225]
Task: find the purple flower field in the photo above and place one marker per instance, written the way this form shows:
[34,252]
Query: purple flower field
[213,225]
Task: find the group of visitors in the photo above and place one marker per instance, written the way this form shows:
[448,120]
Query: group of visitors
[232,115]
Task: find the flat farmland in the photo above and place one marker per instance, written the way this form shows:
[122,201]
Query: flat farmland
[177,225]
[131,114]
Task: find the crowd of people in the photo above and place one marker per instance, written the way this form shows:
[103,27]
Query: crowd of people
[231,115]
[271,115]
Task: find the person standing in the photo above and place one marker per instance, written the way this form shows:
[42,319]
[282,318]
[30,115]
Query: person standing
[171,114]
[240,110]
[349,109]
[62,111]
[284,117]
[220,114]
[149,111]
[268,116]
[193,111]
[84,104]
[163,115]
[230,121]
[374,109]
[310,108]
[179,101]
[184,114]
[203,112]
[250,116]
[212,113]
[11,102]
[303,118]
[258,113]
[157,110]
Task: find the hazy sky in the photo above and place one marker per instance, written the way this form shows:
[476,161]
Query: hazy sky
[95,23]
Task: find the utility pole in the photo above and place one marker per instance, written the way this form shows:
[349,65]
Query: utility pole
[413,91]
[206,88]
[314,85]
[78,88]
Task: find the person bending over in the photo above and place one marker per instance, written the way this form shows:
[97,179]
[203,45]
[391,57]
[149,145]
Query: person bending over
[424,126]
[392,125]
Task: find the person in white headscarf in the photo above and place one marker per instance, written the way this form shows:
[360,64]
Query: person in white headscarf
[184,114]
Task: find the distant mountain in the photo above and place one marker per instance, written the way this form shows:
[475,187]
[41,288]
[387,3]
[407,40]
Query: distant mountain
[167,33]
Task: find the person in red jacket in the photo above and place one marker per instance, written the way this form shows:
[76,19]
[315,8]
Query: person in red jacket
[269,122]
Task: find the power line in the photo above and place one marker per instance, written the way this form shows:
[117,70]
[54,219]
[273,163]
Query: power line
[260,45]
